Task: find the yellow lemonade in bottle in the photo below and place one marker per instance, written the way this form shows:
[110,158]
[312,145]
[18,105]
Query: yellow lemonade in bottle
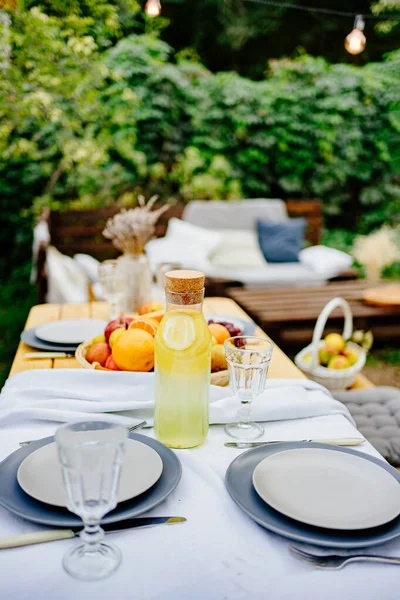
[182,364]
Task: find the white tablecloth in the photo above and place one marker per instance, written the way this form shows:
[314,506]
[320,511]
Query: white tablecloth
[219,554]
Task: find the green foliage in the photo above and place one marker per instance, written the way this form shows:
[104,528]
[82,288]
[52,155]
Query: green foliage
[81,126]
[47,107]
[16,298]
[106,20]
[311,129]
[381,356]
[241,36]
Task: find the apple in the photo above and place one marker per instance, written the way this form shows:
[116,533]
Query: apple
[351,354]
[115,324]
[149,307]
[99,338]
[334,343]
[338,362]
[324,356]
[218,358]
[115,335]
[98,352]
[110,364]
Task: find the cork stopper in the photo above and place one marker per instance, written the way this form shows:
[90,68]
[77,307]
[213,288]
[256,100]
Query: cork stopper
[184,286]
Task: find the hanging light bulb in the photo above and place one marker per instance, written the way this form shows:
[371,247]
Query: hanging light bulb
[153,8]
[356,40]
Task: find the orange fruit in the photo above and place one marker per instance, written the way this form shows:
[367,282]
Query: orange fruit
[219,332]
[149,325]
[157,315]
[149,307]
[134,350]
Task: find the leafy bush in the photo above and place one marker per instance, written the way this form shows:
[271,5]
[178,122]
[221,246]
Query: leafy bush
[311,129]
[84,126]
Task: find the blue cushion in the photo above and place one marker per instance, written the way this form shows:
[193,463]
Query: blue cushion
[281,242]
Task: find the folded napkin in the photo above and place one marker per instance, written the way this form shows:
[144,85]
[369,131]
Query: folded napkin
[63,395]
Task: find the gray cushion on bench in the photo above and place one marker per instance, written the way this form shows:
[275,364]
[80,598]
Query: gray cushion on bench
[238,214]
[376,412]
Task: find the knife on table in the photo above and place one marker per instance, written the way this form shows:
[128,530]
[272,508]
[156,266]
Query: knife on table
[52,535]
[333,441]
[32,355]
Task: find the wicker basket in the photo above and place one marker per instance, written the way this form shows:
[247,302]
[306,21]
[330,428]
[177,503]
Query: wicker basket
[220,378]
[330,378]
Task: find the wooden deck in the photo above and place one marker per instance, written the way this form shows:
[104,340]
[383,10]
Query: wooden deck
[289,314]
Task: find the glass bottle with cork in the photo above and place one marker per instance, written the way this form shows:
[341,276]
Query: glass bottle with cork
[182,363]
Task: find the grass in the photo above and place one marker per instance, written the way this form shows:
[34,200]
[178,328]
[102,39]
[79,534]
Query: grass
[17,296]
[388,355]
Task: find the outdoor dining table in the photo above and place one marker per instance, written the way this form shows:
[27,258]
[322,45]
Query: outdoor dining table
[219,553]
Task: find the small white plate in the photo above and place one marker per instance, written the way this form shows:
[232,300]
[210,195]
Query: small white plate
[329,489]
[70,331]
[246,326]
[40,475]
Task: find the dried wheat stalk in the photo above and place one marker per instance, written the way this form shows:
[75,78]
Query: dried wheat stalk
[130,230]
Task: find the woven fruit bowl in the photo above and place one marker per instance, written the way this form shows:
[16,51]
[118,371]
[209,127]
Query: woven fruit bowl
[220,378]
[332,379]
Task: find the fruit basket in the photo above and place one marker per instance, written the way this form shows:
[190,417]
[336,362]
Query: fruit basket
[333,378]
[220,378]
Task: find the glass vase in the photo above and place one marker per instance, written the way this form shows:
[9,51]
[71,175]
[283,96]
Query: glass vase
[373,274]
[138,278]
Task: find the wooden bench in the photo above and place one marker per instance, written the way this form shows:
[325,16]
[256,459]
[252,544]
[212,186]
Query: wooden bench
[289,314]
[73,232]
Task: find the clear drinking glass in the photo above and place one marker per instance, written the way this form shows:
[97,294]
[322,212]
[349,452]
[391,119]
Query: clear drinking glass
[161,270]
[248,360]
[91,454]
[113,284]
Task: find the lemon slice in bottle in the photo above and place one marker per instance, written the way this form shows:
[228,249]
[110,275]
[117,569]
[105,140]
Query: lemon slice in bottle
[179,332]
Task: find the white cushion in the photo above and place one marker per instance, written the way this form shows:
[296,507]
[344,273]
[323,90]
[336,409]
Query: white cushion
[237,214]
[97,290]
[188,255]
[181,232]
[324,261]
[279,274]
[41,235]
[238,248]
[66,282]
[89,266]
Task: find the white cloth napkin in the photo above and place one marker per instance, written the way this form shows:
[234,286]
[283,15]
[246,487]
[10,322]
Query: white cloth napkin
[71,394]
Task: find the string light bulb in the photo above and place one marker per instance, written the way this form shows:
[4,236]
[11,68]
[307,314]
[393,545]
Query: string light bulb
[152,8]
[355,42]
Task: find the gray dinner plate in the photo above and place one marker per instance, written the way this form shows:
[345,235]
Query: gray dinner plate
[247,326]
[28,336]
[240,486]
[14,499]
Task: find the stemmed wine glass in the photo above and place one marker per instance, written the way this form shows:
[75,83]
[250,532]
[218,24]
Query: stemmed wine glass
[91,454]
[161,270]
[113,284]
[248,360]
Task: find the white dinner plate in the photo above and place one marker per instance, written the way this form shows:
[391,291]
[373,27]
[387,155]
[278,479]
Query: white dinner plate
[39,475]
[70,331]
[328,489]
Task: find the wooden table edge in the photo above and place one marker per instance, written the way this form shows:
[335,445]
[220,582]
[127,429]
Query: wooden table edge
[44,312]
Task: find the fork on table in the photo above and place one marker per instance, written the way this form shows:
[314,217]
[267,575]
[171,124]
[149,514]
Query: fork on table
[130,429]
[335,561]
